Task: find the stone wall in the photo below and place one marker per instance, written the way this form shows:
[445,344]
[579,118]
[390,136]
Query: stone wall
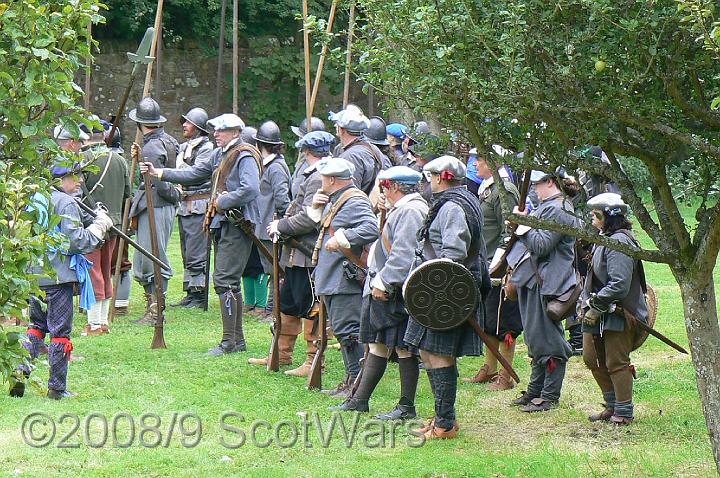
[187,79]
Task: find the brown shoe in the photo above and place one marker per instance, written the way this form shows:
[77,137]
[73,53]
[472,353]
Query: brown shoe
[304,369]
[121,311]
[105,329]
[88,331]
[431,425]
[341,391]
[503,381]
[441,433]
[483,376]
[603,416]
[621,421]
[523,399]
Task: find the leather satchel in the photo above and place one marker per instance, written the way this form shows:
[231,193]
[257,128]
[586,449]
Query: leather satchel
[563,306]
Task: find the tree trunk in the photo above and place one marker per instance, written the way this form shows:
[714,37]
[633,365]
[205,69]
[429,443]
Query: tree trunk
[701,323]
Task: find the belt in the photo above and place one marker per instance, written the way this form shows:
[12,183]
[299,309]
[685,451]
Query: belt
[196,196]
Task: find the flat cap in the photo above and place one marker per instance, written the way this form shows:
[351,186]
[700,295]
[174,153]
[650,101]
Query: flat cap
[400,174]
[226,121]
[351,118]
[60,132]
[397,129]
[611,203]
[449,164]
[318,142]
[335,167]
[537,176]
[59,168]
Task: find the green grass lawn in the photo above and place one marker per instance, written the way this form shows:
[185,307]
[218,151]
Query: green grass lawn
[121,375]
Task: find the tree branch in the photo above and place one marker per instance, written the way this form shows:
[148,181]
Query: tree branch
[595,238]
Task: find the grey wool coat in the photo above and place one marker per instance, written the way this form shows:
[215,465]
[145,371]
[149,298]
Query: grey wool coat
[553,254]
[616,281]
[400,232]
[297,224]
[274,197]
[360,227]
[449,238]
[198,150]
[79,240]
[160,149]
[367,164]
[242,184]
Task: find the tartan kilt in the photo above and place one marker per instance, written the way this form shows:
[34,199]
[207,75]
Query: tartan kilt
[384,323]
[510,320]
[457,342]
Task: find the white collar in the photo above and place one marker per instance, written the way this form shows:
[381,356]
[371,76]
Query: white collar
[269,159]
[310,168]
[230,144]
[406,199]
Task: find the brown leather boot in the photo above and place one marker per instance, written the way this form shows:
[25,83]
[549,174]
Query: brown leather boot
[603,416]
[441,433]
[503,381]
[311,336]
[483,376]
[290,327]
[150,314]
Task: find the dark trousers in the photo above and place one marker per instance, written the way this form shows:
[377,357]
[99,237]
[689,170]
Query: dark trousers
[232,251]
[52,315]
[193,248]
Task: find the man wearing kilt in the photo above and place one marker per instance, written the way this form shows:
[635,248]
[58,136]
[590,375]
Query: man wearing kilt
[384,319]
[504,333]
[452,230]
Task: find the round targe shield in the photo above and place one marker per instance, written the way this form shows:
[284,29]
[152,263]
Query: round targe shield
[440,294]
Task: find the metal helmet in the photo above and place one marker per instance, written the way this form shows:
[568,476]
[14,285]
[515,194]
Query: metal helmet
[376,133]
[198,117]
[268,133]
[421,127]
[147,112]
[247,135]
[316,123]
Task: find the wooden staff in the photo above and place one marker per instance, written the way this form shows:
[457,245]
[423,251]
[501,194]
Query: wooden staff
[158,59]
[221,50]
[348,56]
[306,48]
[133,167]
[158,341]
[321,62]
[236,67]
[273,363]
[88,67]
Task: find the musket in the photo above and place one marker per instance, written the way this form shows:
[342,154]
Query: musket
[127,238]
[315,375]
[654,333]
[140,57]
[494,349]
[209,214]
[158,341]
[500,268]
[273,363]
[247,228]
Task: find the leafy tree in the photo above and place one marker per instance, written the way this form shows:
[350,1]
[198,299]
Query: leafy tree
[42,45]
[629,76]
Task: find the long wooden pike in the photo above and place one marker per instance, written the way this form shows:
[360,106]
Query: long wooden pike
[221,49]
[348,55]
[133,165]
[236,53]
[321,62]
[306,50]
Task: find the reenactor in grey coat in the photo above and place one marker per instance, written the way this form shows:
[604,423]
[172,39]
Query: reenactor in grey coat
[194,201]
[542,263]
[338,250]
[296,291]
[274,197]
[452,230]
[502,317]
[236,171]
[160,149]
[367,159]
[53,313]
[384,319]
[614,286]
